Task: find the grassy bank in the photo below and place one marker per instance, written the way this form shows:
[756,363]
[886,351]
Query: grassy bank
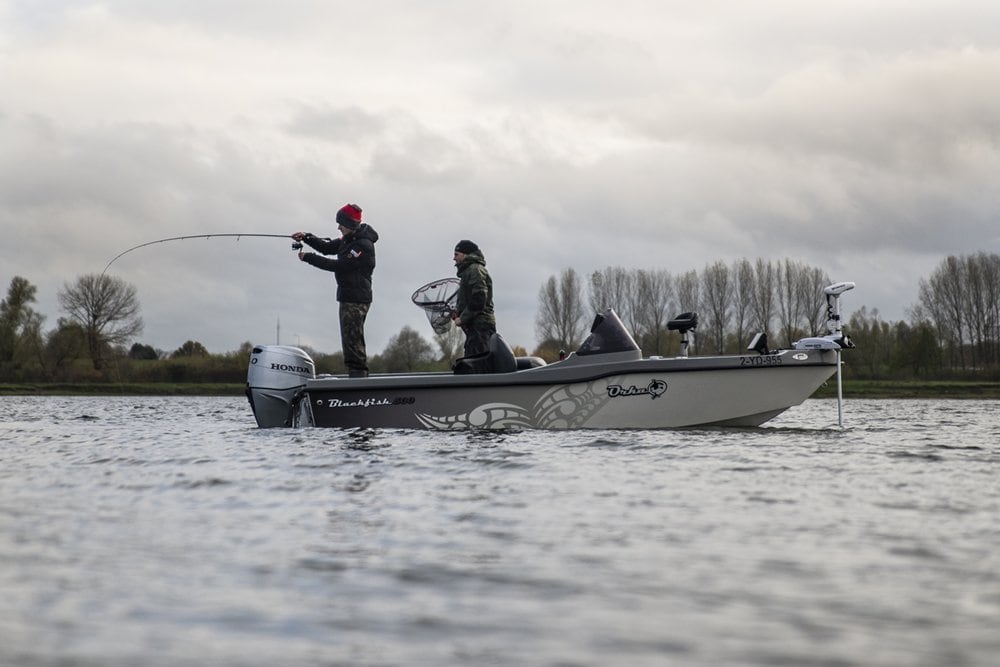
[122,389]
[910,389]
[852,389]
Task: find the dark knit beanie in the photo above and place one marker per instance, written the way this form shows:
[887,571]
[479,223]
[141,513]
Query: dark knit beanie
[466,247]
[349,216]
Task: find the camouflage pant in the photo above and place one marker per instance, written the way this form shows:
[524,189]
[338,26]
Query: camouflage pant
[352,335]
[477,337]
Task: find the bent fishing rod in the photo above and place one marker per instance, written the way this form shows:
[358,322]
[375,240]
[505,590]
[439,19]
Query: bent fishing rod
[295,246]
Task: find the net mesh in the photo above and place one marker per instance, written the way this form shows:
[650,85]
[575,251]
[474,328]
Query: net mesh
[437,299]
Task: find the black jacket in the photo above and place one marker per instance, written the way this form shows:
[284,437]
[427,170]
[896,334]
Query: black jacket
[353,264]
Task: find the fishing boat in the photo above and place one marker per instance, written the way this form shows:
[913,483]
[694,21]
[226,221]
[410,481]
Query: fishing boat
[605,384]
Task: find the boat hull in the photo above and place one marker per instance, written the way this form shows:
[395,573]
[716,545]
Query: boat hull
[641,394]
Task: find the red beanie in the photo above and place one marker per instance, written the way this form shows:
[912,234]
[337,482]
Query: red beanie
[349,216]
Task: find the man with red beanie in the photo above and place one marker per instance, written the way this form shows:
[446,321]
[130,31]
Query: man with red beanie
[353,263]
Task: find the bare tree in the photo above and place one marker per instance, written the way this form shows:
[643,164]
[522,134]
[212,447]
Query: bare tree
[561,316]
[742,272]
[610,288]
[763,295]
[981,305]
[106,308]
[687,286]
[812,282]
[655,292]
[943,295]
[792,300]
[962,299]
[717,296]
[635,301]
[991,307]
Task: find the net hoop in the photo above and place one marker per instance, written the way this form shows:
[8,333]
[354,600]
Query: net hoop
[438,300]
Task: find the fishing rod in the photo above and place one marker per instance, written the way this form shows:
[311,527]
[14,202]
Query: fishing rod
[295,246]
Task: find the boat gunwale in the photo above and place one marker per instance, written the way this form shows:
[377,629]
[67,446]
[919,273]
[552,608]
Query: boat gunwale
[555,373]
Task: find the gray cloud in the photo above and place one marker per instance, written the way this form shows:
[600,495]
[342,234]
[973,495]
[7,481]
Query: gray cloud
[860,139]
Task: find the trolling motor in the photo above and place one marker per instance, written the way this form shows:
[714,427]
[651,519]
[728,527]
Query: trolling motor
[835,338]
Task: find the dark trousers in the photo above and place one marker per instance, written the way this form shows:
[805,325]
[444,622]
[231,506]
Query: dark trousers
[352,335]
[477,337]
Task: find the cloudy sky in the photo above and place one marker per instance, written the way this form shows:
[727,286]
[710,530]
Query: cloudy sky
[859,137]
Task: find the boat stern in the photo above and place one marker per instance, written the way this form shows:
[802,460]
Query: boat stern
[275,379]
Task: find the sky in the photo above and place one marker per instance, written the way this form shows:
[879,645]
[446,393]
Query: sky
[859,138]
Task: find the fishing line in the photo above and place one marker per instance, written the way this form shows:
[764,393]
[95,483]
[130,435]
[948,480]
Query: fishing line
[193,236]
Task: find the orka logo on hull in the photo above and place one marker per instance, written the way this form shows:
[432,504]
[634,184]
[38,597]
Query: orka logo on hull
[654,390]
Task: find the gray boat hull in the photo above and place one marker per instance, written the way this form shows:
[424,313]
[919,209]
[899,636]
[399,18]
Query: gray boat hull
[578,393]
[605,384]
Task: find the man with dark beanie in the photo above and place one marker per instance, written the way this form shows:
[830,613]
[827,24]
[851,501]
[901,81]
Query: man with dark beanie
[352,266]
[475,298]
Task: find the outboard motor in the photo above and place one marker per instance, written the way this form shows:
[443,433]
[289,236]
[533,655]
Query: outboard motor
[275,377]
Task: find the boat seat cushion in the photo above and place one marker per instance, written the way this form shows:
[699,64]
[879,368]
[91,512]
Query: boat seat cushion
[529,362]
[503,360]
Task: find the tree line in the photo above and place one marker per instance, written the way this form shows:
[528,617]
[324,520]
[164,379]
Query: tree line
[90,343]
[732,302]
[952,332]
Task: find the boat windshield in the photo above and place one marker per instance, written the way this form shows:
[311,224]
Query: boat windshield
[607,334]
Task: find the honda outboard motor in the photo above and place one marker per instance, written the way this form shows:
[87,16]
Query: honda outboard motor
[275,377]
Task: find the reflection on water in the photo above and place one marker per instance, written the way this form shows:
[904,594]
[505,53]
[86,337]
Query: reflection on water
[165,531]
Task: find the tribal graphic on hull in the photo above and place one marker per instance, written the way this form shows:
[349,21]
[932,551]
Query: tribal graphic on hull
[561,407]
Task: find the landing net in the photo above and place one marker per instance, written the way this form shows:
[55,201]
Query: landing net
[438,299]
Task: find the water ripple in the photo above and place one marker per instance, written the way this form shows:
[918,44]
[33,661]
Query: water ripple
[166,531]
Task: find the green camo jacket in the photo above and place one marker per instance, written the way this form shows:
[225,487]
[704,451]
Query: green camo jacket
[475,293]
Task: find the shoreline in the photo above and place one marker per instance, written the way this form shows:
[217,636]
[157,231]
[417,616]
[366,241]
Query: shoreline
[854,389]
[966,390]
[122,389]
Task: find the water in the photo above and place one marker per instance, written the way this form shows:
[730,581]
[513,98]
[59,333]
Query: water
[171,531]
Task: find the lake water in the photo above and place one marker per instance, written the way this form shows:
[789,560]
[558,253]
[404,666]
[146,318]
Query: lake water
[172,531]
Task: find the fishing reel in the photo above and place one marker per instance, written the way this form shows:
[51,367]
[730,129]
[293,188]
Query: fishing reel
[296,245]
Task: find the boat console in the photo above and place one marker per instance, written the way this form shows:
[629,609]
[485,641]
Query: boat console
[607,334]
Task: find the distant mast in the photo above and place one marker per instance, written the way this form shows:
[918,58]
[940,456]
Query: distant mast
[277,331]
